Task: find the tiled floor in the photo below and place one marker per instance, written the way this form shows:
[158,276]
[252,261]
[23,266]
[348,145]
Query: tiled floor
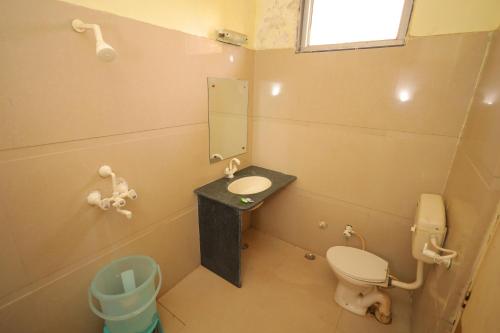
[282,292]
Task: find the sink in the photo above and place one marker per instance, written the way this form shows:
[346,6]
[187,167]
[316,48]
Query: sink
[249,185]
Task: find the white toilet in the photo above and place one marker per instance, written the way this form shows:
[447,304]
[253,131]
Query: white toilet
[361,274]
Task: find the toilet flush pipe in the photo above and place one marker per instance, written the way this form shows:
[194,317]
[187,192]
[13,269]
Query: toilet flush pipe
[413,285]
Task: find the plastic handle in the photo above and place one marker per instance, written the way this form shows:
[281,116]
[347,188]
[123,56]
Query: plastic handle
[128,315]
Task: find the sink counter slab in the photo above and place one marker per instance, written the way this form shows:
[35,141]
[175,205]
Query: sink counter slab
[217,190]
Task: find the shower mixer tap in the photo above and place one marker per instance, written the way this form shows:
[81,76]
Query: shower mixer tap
[117,199]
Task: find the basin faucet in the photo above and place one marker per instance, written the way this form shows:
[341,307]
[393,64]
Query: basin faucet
[231,169]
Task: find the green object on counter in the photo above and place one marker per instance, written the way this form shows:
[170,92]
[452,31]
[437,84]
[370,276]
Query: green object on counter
[246,200]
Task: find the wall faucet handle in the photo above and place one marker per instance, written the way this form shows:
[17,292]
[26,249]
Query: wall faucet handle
[132,194]
[119,202]
[105,204]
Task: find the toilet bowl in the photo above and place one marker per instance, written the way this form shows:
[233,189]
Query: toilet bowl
[360,274]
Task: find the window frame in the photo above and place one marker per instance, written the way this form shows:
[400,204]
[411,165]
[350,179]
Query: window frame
[304,29]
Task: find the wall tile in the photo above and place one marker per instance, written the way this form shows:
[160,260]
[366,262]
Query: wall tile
[382,170]
[13,271]
[482,133]
[361,87]
[162,73]
[64,113]
[54,221]
[61,305]
[470,206]
[58,229]
[294,215]
[471,198]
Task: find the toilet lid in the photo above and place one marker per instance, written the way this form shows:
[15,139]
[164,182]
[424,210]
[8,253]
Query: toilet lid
[357,264]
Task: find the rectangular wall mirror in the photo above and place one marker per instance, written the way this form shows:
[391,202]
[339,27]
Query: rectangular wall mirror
[227,117]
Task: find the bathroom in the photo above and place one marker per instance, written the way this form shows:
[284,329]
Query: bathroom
[350,137]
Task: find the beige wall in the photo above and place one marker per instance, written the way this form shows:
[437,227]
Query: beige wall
[63,114]
[200,18]
[481,313]
[272,24]
[431,17]
[276,20]
[471,195]
[362,156]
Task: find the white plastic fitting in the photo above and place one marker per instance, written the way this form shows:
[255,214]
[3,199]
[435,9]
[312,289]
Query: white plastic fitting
[217,156]
[231,169]
[117,199]
[349,232]
[439,259]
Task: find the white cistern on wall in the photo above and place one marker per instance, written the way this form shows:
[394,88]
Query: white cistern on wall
[117,199]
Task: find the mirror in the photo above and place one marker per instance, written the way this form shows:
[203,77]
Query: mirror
[227,117]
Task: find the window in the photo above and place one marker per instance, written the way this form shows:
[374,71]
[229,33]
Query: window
[351,24]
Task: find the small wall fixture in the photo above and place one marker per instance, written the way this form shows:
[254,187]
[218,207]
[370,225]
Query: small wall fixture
[231,37]
[117,199]
[104,51]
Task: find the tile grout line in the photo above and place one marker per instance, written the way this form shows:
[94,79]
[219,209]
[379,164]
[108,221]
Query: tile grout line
[101,136]
[327,197]
[173,314]
[469,107]
[109,250]
[337,324]
[333,124]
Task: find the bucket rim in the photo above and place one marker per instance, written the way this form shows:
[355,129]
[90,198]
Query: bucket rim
[100,296]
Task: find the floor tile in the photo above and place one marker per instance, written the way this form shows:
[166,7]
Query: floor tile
[282,292]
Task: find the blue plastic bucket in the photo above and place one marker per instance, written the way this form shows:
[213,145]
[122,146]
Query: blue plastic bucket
[126,292]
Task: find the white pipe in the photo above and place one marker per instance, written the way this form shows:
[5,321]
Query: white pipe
[452,254]
[349,231]
[361,238]
[413,285]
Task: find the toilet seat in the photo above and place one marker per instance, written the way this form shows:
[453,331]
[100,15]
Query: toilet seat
[357,264]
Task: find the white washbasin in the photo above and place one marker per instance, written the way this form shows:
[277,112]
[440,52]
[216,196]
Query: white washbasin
[249,185]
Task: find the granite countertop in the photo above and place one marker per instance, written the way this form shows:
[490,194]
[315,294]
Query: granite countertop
[217,190]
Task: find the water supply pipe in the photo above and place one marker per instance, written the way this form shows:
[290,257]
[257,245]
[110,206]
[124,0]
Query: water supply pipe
[415,284]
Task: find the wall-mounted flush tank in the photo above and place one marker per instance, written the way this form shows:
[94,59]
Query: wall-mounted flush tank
[429,231]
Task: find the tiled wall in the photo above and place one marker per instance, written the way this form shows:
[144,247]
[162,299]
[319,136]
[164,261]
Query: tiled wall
[333,119]
[472,194]
[362,156]
[200,18]
[63,114]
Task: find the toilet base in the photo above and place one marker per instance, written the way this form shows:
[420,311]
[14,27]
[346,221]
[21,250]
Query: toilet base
[357,299]
[349,298]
